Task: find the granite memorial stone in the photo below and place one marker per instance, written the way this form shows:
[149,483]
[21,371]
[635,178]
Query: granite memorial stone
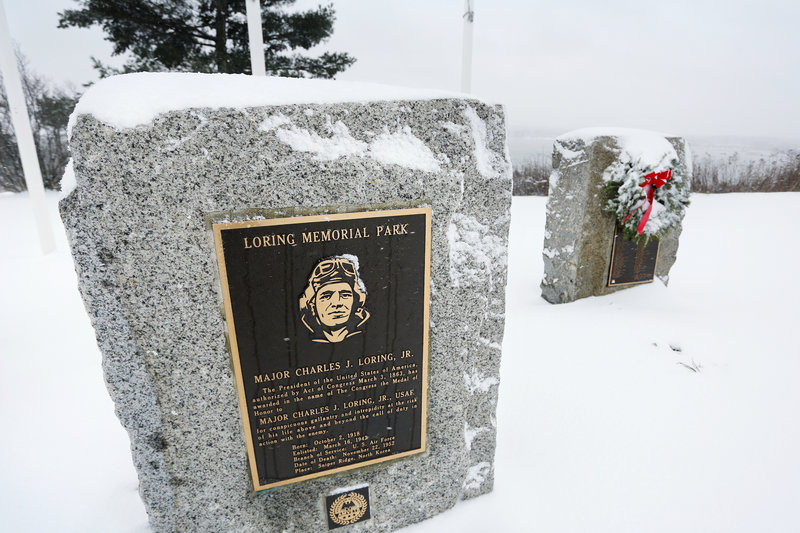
[616,201]
[298,289]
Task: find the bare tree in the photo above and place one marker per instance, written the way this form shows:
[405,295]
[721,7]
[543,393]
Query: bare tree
[49,108]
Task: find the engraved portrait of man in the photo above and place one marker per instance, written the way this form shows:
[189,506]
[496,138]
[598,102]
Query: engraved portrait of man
[332,305]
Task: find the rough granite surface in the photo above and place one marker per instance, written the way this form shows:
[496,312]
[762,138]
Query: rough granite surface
[138,224]
[579,234]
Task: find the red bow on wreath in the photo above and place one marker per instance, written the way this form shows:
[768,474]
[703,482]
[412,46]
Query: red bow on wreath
[652,181]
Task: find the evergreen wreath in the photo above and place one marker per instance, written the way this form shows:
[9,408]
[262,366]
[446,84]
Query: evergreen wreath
[625,195]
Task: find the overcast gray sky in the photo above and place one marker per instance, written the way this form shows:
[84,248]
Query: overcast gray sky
[689,67]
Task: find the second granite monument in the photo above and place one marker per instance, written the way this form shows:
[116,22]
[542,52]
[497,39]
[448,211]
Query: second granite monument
[616,201]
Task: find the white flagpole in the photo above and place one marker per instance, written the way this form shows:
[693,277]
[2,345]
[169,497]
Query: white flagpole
[256,38]
[466,56]
[22,128]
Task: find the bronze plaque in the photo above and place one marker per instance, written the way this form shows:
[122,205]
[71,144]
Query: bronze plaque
[631,262]
[327,318]
[347,507]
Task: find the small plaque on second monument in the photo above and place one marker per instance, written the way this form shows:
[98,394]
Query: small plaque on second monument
[631,262]
[327,317]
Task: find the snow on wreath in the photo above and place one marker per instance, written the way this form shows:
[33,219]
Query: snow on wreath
[647,195]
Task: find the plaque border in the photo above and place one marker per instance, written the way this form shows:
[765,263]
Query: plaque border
[618,233]
[217,229]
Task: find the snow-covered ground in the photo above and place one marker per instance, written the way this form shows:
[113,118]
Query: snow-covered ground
[654,409]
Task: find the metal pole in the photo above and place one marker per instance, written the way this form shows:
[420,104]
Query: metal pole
[256,38]
[22,128]
[466,57]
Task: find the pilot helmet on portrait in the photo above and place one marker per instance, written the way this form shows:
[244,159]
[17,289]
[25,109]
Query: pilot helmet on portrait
[332,305]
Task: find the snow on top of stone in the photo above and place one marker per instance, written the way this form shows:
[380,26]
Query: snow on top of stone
[639,145]
[131,100]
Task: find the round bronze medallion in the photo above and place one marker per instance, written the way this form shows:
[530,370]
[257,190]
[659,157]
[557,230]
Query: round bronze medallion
[348,508]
